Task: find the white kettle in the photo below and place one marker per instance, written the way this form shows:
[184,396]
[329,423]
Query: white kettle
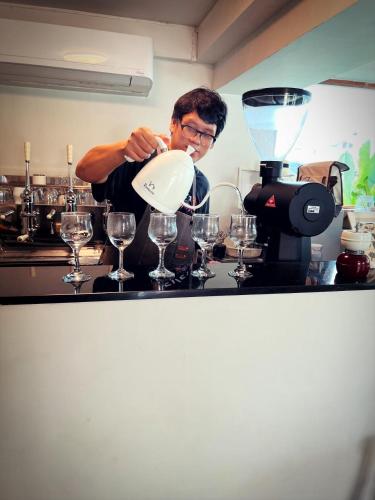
[166,180]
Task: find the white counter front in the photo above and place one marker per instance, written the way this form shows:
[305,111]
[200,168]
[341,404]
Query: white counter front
[266,397]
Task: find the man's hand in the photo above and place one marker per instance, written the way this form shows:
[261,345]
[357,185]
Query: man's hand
[142,143]
[100,161]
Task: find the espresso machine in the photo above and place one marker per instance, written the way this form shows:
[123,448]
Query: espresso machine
[288,213]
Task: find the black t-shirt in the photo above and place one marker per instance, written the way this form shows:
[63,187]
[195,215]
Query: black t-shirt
[120,192]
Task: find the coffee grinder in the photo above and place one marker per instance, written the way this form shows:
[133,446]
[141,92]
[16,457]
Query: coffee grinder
[288,213]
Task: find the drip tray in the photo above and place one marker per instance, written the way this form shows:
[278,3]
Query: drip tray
[44,255]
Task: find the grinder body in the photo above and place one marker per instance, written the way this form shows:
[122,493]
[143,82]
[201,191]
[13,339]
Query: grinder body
[288,214]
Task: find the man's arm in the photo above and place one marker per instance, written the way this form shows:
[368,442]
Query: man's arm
[100,161]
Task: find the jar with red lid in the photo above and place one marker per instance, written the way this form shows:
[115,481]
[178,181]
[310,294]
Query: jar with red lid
[354,264]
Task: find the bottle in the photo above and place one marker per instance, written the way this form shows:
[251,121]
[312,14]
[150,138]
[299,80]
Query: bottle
[219,249]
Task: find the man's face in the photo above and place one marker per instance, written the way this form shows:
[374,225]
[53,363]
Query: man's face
[183,132]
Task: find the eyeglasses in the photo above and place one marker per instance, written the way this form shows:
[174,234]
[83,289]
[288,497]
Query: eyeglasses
[190,133]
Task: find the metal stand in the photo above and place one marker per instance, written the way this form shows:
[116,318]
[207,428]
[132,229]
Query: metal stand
[71,198]
[28,214]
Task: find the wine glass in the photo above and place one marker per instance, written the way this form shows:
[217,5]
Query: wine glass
[121,231]
[76,231]
[242,232]
[204,231]
[162,230]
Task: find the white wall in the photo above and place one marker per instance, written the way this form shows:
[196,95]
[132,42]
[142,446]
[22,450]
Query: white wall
[339,119]
[50,119]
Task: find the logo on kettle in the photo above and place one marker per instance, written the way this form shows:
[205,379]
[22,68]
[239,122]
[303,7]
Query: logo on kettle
[150,186]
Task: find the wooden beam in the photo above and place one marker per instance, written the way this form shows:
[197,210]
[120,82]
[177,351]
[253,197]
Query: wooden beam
[279,41]
[349,83]
[230,23]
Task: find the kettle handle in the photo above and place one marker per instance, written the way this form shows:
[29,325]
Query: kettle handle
[163,148]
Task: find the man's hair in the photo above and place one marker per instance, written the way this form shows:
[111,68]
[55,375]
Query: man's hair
[207,103]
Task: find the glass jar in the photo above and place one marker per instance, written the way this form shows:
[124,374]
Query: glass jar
[353,265]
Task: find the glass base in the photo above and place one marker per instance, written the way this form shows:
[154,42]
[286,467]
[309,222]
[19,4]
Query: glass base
[203,273]
[161,273]
[240,273]
[76,277]
[120,275]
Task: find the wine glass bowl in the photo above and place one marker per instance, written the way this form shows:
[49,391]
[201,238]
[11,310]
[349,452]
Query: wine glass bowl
[121,228]
[204,231]
[242,232]
[76,230]
[162,230]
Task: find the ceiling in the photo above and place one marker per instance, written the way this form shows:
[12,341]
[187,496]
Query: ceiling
[186,12]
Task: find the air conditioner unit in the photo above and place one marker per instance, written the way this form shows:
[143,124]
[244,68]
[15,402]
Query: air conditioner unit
[64,57]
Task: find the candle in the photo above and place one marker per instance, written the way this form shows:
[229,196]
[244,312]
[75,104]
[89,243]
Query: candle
[69,153]
[27,148]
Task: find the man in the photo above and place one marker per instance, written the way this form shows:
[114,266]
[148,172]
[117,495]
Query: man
[198,118]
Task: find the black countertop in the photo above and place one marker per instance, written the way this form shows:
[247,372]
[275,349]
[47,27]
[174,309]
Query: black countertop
[43,284]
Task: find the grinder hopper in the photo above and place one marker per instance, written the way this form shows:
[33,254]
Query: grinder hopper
[275,117]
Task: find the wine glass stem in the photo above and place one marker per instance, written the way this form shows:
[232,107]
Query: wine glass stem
[203,262]
[77,268]
[161,258]
[240,257]
[121,258]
